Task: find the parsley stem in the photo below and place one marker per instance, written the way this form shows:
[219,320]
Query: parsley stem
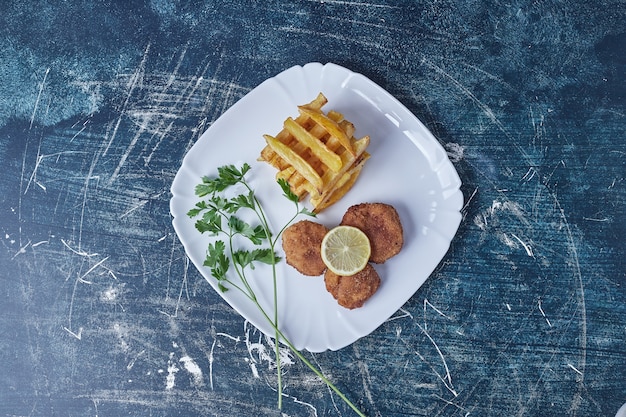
[312,367]
[321,375]
[258,209]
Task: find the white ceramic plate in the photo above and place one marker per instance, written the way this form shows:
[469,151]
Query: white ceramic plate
[408,169]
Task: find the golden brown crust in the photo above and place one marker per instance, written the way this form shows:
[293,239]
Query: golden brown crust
[381,223]
[352,291]
[302,243]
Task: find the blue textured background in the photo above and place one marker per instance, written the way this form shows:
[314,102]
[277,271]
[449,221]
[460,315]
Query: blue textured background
[99,102]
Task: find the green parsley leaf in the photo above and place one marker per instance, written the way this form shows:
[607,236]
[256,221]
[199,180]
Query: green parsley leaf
[261,233]
[307,212]
[211,222]
[229,175]
[242,258]
[217,260]
[284,185]
[247,258]
[209,186]
[200,206]
[243,200]
[203,190]
[218,203]
[238,226]
[266,256]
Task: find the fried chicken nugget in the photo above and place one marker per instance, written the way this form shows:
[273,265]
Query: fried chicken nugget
[352,291]
[302,242]
[381,223]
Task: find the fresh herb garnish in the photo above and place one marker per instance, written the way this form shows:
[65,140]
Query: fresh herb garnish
[217,215]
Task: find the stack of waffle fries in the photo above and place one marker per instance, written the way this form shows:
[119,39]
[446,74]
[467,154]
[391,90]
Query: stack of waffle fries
[317,154]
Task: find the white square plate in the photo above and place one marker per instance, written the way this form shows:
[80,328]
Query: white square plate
[408,169]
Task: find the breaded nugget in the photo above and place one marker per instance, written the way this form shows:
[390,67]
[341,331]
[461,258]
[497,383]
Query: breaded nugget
[352,291]
[302,242]
[381,223]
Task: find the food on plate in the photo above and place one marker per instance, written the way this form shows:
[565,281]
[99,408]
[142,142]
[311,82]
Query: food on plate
[368,233]
[345,250]
[302,242]
[381,223]
[317,154]
[352,291]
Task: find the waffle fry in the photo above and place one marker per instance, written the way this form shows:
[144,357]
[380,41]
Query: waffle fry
[317,154]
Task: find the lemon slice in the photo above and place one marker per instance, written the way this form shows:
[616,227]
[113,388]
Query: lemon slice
[345,250]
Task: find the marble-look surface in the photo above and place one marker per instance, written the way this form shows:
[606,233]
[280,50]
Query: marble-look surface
[104,316]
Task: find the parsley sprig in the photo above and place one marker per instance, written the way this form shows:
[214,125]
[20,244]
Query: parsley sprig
[219,215]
